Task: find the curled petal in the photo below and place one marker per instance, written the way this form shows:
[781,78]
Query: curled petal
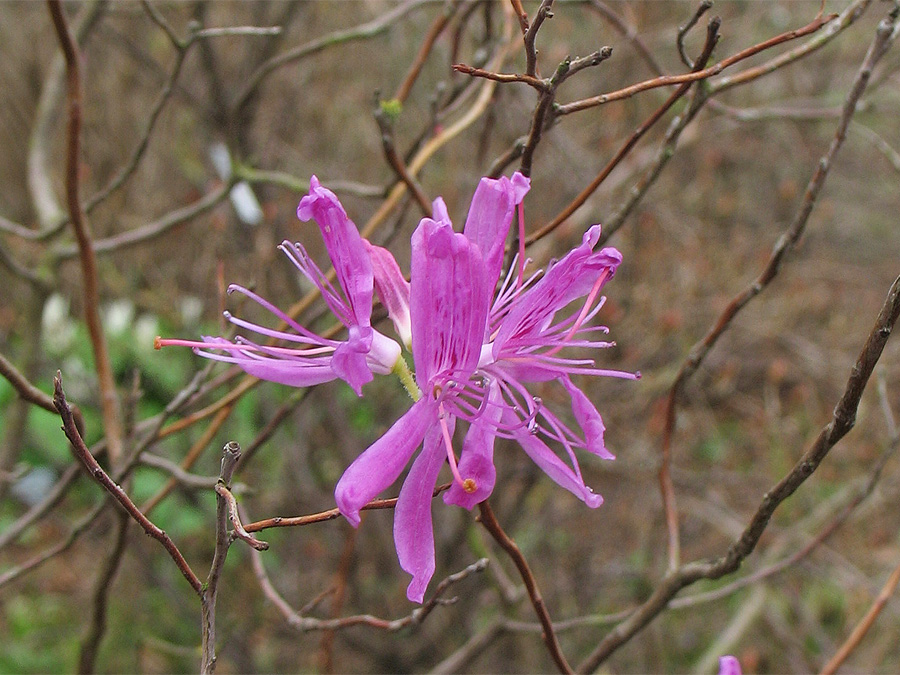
[490,216]
[448,301]
[299,371]
[554,467]
[413,529]
[345,248]
[349,360]
[588,419]
[380,465]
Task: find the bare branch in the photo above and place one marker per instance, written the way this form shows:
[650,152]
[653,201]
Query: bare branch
[84,455]
[112,424]
[685,29]
[491,525]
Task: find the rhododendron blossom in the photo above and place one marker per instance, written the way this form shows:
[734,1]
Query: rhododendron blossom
[473,355]
[475,347]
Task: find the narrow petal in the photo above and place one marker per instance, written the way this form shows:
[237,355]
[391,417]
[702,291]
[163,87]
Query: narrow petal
[477,458]
[380,465]
[413,529]
[345,247]
[392,288]
[490,216]
[448,301]
[555,468]
[588,419]
[569,278]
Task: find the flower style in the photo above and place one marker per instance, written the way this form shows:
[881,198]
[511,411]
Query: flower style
[316,359]
[473,356]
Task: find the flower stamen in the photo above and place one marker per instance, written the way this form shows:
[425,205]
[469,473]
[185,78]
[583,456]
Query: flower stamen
[467,484]
[585,310]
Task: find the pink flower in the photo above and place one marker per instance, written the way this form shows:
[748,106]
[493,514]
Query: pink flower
[473,356]
[315,359]
[729,665]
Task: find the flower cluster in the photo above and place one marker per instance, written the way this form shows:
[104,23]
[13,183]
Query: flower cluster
[476,344]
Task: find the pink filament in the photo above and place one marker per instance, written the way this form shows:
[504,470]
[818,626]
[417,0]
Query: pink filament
[585,310]
[466,484]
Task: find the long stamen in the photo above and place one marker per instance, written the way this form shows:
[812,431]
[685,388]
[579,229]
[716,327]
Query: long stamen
[585,310]
[467,484]
[520,208]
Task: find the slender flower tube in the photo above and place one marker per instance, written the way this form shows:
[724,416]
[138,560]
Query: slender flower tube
[315,359]
[473,356]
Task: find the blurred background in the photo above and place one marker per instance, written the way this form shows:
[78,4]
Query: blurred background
[279,107]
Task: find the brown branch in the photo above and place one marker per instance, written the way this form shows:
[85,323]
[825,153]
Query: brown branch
[784,244]
[231,453]
[32,394]
[530,80]
[306,624]
[537,601]
[83,455]
[695,75]
[434,32]
[362,31]
[239,531]
[860,630]
[87,657]
[91,295]
[543,12]
[842,421]
[386,125]
[686,28]
[711,38]
[330,514]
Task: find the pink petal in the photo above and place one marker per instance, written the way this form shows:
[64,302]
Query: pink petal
[570,278]
[729,665]
[413,530]
[345,247]
[393,289]
[381,463]
[490,216]
[588,419]
[349,360]
[448,301]
[555,468]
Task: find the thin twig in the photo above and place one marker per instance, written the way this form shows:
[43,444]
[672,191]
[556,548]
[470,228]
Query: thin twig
[537,601]
[386,125]
[434,32]
[784,244]
[112,424]
[306,624]
[543,12]
[231,453]
[685,29]
[84,455]
[330,514]
[693,76]
[575,204]
[239,531]
[87,657]
[842,421]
